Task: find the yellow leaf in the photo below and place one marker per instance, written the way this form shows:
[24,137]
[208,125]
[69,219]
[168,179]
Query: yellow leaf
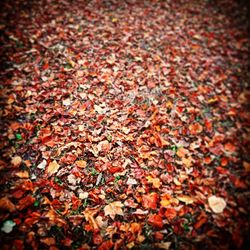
[53,167]
[113,209]
[186,199]
[23,174]
[155,181]
[81,163]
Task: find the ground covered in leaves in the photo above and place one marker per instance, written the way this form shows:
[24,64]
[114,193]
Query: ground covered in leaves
[124,125]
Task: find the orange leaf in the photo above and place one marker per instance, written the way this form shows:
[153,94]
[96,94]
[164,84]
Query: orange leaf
[155,181]
[155,220]
[6,204]
[230,147]
[53,167]
[25,202]
[195,128]
[246,165]
[16,161]
[181,152]
[113,209]
[150,200]
[81,163]
[170,213]
[23,174]
[48,241]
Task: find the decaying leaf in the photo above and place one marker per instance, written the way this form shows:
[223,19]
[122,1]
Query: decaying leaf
[113,209]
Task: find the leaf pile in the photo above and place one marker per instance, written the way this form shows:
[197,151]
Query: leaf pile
[124,125]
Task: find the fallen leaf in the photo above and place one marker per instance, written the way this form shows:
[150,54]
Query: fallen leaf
[150,200]
[16,161]
[8,226]
[53,167]
[170,213]
[131,181]
[155,220]
[230,147]
[246,165]
[6,204]
[186,199]
[48,241]
[217,204]
[66,102]
[155,181]
[42,165]
[23,174]
[113,209]
[81,163]
[163,245]
[195,128]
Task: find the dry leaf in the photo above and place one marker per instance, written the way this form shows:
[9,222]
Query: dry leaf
[246,165]
[23,174]
[113,209]
[81,163]
[6,204]
[53,167]
[163,245]
[186,199]
[217,204]
[16,161]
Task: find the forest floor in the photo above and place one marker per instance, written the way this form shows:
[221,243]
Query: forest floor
[124,125]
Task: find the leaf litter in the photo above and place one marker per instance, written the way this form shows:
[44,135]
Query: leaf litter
[126,125]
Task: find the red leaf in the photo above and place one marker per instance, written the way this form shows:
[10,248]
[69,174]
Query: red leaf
[170,213]
[155,220]
[150,200]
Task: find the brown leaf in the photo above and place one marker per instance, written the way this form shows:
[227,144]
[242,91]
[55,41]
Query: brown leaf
[6,204]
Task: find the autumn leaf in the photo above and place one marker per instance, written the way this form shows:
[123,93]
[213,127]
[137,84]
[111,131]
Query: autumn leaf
[53,167]
[155,181]
[23,174]
[113,209]
[150,200]
[16,161]
[81,163]
[195,128]
[163,245]
[155,220]
[246,165]
[6,204]
[186,199]
[170,213]
[217,204]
